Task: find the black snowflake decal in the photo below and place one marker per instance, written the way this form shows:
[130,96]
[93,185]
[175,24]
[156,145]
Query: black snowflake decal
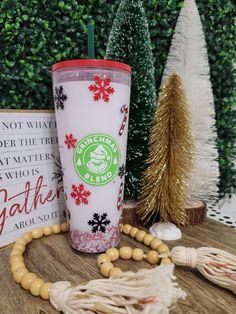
[121,172]
[58,174]
[59,98]
[99,223]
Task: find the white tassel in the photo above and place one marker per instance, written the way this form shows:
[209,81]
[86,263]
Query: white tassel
[151,291]
[216,265]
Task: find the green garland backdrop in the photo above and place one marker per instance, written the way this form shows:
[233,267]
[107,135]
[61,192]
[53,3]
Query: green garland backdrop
[35,34]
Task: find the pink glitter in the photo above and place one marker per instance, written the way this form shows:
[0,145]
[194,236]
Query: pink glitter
[95,242]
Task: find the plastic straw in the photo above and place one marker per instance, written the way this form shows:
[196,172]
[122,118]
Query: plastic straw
[90,34]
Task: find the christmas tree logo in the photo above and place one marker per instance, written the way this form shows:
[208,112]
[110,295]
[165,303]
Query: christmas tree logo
[96,159]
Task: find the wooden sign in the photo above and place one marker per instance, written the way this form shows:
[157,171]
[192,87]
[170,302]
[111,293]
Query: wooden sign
[31,188]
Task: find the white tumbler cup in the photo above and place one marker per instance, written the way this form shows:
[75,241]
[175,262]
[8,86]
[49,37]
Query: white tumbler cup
[91,100]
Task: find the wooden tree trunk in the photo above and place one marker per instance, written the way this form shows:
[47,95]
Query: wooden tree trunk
[196,213]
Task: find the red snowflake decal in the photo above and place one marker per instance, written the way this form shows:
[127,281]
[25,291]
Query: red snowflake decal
[79,194]
[70,141]
[101,88]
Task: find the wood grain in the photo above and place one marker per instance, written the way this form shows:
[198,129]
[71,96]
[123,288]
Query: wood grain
[54,260]
[196,213]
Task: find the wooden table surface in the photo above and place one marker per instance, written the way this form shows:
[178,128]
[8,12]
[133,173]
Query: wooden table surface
[54,260]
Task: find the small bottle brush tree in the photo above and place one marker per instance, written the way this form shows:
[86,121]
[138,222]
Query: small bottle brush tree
[164,183]
[188,58]
[129,42]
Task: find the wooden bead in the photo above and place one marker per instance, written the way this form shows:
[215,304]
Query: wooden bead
[155,243]
[44,290]
[16,265]
[20,247]
[22,241]
[126,252]
[15,252]
[27,236]
[19,273]
[126,228]
[166,260]
[140,235]
[16,258]
[56,228]
[27,279]
[141,270]
[163,248]
[152,257]
[64,226]
[47,230]
[102,258]
[133,232]
[147,239]
[37,233]
[115,271]
[137,254]
[35,286]
[105,269]
[112,254]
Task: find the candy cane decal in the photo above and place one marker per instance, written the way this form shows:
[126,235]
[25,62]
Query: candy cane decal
[124,109]
[119,201]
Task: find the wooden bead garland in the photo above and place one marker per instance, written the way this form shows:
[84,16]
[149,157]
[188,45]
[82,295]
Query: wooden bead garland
[38,287]
[216,265]
[158,254]
[30,281]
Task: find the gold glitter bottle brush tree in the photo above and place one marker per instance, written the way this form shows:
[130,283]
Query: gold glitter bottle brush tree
[164,184]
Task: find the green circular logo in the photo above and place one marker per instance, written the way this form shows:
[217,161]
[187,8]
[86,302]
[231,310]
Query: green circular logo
[96,159]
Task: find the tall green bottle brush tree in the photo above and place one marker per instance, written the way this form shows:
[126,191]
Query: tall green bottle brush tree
[129,42]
